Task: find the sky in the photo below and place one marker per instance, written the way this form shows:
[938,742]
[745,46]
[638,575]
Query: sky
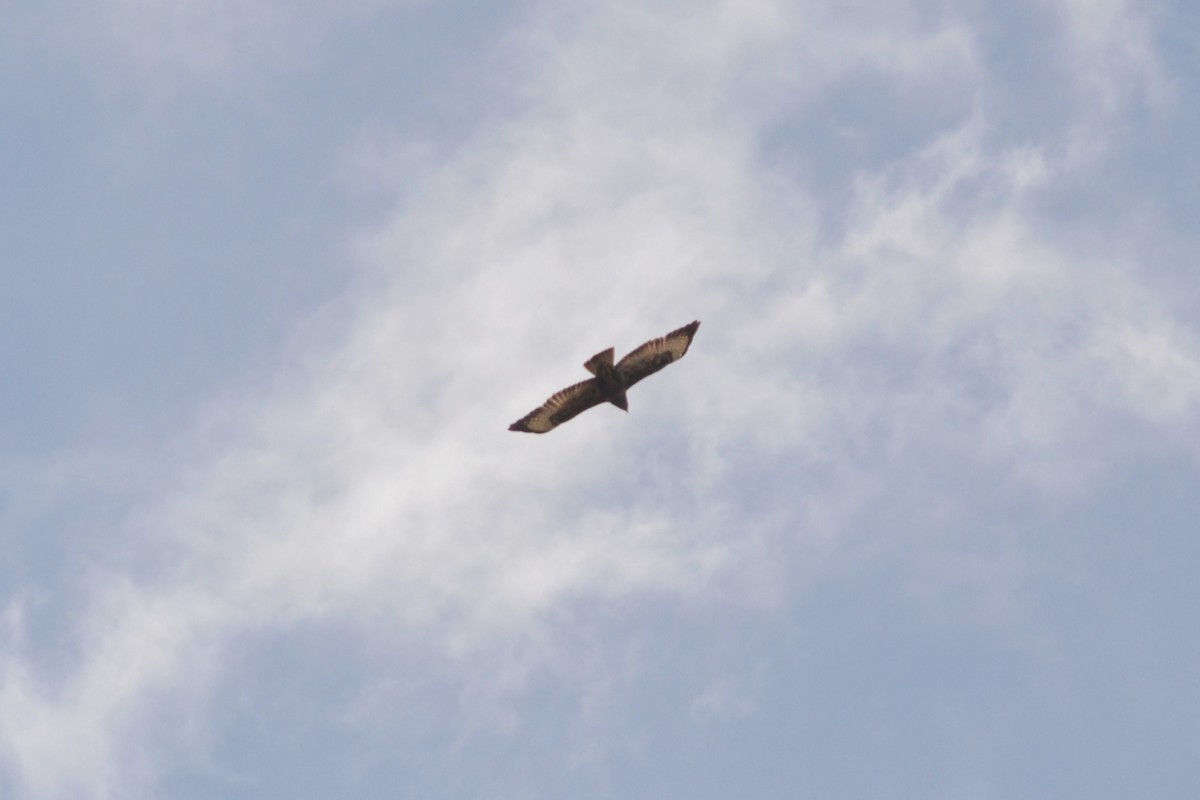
[915,518]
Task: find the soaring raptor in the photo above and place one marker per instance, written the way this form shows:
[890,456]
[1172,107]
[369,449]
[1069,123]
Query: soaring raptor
[610,382]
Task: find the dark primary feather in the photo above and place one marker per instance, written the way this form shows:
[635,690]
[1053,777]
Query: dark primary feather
[656,354]
[610,382]
[561,407]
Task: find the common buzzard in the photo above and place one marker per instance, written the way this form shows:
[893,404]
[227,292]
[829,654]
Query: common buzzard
[610,382]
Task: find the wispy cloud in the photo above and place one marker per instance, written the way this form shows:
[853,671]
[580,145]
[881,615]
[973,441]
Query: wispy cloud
[373,485]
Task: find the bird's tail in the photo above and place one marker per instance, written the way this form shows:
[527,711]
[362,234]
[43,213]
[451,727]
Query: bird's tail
[604,357]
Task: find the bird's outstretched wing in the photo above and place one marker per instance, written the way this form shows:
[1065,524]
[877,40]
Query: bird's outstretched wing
[656,354]
[561,407]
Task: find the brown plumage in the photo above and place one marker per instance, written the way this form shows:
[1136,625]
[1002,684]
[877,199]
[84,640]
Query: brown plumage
[610,381]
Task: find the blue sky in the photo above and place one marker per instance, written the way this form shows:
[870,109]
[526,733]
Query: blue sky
[916,517]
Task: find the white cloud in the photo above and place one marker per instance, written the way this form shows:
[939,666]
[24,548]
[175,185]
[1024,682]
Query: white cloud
[1110,44]
[377,488]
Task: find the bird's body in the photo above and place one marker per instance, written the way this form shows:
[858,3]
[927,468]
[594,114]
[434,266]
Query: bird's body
[610,382]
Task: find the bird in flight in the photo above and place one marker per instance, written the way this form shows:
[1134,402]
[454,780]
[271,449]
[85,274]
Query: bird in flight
[610,381]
